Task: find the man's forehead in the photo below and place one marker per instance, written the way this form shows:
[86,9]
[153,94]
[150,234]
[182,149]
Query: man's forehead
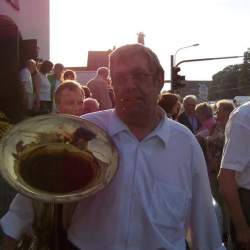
[134,63]
[190,102]
[67,91]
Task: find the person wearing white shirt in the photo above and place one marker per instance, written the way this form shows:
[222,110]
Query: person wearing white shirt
[160,195]
[43,103]
[234,176]
[27,85]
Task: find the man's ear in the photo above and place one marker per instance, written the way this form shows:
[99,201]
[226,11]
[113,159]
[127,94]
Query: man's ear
[160,81]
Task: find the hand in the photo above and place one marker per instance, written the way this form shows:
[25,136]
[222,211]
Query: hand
[243,238]
[36,105]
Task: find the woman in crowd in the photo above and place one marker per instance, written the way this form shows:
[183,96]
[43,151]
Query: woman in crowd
[69,75]
[170,104]
[215,142]
[214,147]
[42,87]
[204,114]
[216,138]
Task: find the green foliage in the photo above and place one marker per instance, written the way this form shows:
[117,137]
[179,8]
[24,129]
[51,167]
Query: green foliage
[231,81]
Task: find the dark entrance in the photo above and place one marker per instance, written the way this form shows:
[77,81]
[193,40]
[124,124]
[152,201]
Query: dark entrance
[13,53]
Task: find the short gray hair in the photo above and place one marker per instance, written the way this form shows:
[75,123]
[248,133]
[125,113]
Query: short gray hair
[124,53]
[189,97]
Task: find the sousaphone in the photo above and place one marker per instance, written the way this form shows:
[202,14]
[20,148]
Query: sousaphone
[56,159]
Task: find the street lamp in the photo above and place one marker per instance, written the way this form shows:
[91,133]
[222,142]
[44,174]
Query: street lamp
[173,63]
[193,45]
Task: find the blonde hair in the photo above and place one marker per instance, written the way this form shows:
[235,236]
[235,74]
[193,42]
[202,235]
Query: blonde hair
[68,84]
[204,109]
[225,105]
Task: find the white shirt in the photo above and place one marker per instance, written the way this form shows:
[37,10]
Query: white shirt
[160,193]
[236,154]
[45,94]
[26,79]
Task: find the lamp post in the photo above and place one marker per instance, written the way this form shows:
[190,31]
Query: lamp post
[173,62]
[193,45]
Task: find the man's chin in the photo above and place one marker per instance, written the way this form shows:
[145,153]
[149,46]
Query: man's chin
[130,114]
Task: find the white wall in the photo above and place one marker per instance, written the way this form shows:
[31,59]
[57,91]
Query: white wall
[32,20]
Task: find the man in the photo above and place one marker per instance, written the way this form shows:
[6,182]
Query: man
[55,79]
[188,117]
[234,176]
[27,85]
[100,89]
[161,191]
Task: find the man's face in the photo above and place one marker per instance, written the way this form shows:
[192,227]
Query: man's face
[71,102]
[32,67]
[189,106]
[135,87]
[58,70]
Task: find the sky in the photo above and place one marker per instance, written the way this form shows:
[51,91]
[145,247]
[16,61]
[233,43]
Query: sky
[221,27]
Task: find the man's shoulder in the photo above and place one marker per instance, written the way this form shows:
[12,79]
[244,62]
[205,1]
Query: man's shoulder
[243,109]
[179,128]
[100,118]
[182,116]
[24,72]
[91,83]
[178,134]
[241,114]
[95,82]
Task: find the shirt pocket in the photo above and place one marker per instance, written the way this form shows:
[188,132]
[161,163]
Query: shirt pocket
[169,206]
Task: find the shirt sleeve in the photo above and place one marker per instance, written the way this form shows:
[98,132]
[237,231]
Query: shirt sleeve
[18,220]
[23,76]
[203,228]
[236,154]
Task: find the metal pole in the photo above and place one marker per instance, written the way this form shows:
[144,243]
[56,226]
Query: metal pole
[171,72]
[208,59]
[189,46]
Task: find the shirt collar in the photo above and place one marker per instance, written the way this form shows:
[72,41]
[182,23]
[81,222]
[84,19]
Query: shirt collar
[162,130]
[116,126]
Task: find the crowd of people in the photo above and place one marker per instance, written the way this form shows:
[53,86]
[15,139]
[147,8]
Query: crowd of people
[39,83]
[166,194]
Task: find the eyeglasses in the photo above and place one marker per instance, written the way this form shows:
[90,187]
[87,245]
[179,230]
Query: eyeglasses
[137,77]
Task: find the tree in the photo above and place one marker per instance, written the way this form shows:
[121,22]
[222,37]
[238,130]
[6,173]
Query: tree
[231,81]
[244,79]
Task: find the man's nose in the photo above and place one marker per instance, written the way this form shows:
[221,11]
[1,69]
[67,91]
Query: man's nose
[131,82]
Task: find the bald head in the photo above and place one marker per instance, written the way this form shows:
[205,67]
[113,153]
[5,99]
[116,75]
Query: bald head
[31,65]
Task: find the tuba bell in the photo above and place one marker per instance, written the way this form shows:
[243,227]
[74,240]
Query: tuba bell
[56,160]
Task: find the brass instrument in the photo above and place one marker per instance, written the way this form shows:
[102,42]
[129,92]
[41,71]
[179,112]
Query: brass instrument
[56,159]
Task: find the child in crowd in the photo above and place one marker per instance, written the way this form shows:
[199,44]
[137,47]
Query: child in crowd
[69,98]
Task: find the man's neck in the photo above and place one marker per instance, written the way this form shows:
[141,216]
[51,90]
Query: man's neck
[56,77]
[190,114]
[145,126]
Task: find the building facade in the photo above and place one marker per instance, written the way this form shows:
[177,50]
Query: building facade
[24,34]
